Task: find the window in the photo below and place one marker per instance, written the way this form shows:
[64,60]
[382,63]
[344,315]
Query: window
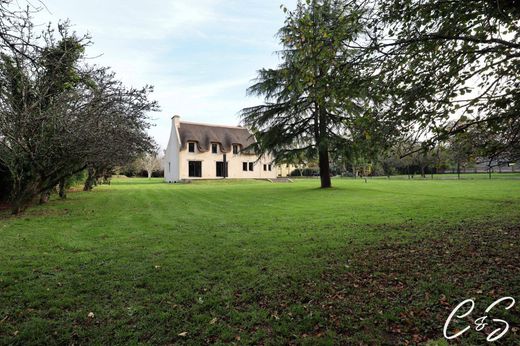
[244,166]
[265,167]
[235,149]
[195,169]
[169,166]
[270,167]
[191,147]
[214,148]
[251,164]
[222,170]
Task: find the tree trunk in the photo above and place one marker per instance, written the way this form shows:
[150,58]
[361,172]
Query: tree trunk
[22,196]
[62,189]
[20,201]
[19,205]
[320,133]
[149,174]
[44,196]
[91,179]
[458,170]
[324,166]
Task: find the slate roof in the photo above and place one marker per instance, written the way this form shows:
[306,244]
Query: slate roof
[204,135]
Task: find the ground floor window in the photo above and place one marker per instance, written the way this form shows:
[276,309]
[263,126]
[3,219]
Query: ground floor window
[265,167]
[251,166]
[270,167]
[244,166]
[222,169]
[195,169]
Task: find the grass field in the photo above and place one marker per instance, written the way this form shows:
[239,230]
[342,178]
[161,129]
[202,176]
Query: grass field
[250,262]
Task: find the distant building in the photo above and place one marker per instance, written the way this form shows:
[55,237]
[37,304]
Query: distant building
[285,169]
[203,151]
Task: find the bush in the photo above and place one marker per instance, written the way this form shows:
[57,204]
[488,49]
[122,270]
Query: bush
[306,172]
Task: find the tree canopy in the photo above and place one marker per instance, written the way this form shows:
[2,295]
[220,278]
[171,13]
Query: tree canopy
[59,115]
[313,98]
[443,67]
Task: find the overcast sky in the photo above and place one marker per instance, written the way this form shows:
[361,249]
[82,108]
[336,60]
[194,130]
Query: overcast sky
[200,55]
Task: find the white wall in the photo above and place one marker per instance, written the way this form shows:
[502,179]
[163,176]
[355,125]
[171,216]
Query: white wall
[209,164]
[171,161]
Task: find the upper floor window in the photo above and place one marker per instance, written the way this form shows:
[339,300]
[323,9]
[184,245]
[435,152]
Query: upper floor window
[214,148]
[191,147]
[235,149]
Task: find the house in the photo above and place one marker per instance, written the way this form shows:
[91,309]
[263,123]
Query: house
[203,151]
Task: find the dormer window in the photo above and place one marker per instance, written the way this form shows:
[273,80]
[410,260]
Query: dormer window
[191,147]
[214,148]
[235,149]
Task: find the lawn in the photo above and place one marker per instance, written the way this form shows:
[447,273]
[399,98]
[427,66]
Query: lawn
[251,262]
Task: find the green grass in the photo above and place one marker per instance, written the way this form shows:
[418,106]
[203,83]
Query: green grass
[252,262]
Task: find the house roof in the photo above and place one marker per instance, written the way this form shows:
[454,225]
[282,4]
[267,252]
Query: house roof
[204,135]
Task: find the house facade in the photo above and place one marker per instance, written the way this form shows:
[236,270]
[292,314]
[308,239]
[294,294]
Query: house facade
[203,151]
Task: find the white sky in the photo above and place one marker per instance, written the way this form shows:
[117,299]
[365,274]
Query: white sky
[200,55]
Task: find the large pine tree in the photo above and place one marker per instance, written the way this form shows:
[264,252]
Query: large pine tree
[312,97]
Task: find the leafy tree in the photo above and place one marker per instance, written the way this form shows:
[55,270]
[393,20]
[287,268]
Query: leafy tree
[461,147]
[313,96]
[489,147]
[59,116]
[439,61]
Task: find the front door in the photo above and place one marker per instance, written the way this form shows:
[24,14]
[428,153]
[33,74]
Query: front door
[221,172]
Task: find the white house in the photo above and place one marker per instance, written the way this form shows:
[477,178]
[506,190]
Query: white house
[202,151]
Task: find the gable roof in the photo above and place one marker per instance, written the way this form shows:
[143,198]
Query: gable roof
[205,134]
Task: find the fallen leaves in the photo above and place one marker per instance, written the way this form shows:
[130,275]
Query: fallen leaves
[404,290]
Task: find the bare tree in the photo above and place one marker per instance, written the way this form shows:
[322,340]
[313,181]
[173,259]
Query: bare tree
[149,162]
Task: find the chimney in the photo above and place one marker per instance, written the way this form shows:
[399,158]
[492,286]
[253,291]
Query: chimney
[176,119]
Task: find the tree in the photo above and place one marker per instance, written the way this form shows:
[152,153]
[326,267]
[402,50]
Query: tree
[59,116]
[461,147]
[439,61]
[488,147]
[313,96]
[33,82]
[149,162]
